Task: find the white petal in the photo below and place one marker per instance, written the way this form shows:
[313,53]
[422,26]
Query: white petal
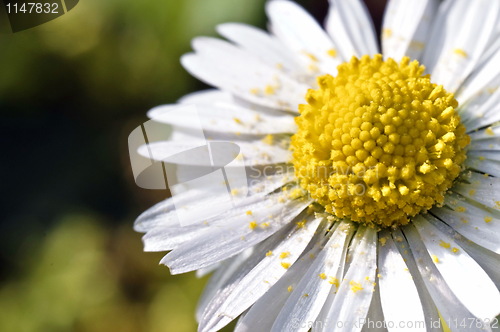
[268,48]
[351,28]
[491,155]
[484,190]
[375,320]
[302,34]
[206,97]
[427,279]
[354,296]
[406,27]
[488,260]
[251,283]
[227,269]
[196,200]
[207,270]
[217,154]
[470,284]
[398,293]
[224,242]
[262,314]
[479,161]
[148,219]
[492,47]
[485,139]
[226,118]
[339,34]
[232,69]
[215,97]
[450,308]
[482,111]
[164,239]
[461,34]
[471,221]
[483,79]
[323,316]
[308,297]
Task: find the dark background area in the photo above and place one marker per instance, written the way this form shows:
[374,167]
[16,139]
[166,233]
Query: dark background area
[71,91]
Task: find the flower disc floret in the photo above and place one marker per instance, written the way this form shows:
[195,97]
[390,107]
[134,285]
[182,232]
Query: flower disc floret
[378,143]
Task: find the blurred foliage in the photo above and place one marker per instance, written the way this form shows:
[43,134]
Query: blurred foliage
[85,278]
[112,52]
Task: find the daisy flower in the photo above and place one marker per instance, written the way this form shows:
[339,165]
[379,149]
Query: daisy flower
[373,196]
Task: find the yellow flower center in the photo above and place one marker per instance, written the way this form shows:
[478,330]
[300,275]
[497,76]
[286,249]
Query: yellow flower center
[378,143]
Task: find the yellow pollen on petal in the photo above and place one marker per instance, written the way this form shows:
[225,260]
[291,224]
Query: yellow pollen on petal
[378,143]
[489,131]
[355,286]
[269,139]
[284,254]
[386,33]
[455,250]
[248,213]
[488,219]
[460,209]
[269,90]
[296,193]
[460,52]
[334,281]
[311,56]
[313,68]
[285,265]
[418,45]
[237,120]
[269,253]
[301,224]
[289,289]
[444,244]
[252,225]
[322,276]
[435,259]
[255,91]
[332,52]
